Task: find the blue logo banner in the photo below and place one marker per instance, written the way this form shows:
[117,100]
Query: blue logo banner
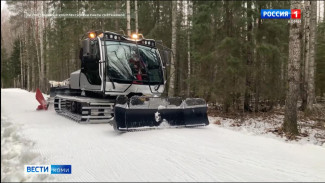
[275,13]
[47,169]
[60,169]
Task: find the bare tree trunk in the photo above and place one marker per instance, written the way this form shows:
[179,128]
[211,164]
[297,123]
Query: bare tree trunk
[318,17]
[188,49]
[302,53]
[180,75]
[28,77]
[27,60]
[36,28]
[306,55]
[116,20]
[40,32]
[249,61]
[26,27]
[48,27]
[290,118]
[157,15]
[311,67]
[256,65]
[171,88]
[21,64]
[33,77]
[136,16]
[128,18]
[18,82]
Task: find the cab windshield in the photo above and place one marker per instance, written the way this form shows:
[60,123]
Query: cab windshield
[129,63]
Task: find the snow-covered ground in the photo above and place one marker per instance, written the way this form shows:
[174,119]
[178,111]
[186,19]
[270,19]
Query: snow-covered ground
[269,126]
[97,153]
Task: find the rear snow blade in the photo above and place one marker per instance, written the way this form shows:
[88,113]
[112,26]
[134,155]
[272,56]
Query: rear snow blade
[40,98]
[147,112]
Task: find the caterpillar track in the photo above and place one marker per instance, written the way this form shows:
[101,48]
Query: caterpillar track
[84,109]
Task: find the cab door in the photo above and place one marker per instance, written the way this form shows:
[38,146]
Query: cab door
[102,64]
[90,67]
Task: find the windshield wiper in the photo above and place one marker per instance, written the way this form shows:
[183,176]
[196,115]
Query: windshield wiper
[153,67]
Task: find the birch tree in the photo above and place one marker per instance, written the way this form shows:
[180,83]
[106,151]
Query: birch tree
[136,16]
[21,64]
[35,34]
[47,28]
[290,117]
[117,20]
[171,88]
[224,51]
[128,18]
[41,32]
[188,48]
[26,40]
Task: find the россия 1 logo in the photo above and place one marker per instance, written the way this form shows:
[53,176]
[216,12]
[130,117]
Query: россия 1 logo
[280,14]
[47,169]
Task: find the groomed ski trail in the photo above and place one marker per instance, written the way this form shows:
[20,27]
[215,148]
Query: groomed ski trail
[211,153]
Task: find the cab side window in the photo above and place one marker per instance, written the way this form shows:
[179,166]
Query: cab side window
[91,64]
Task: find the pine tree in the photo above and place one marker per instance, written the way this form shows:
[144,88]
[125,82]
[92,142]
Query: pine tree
[224,52]
[320,60]
[250,57]
[290,119]
[306,18]
[311,65]
[5,79]
[14,61]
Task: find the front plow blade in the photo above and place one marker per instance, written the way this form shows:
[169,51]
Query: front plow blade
[149,112]
[195,112]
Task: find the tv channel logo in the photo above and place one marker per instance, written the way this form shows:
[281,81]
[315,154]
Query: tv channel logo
[60,169]
[47,169]
[37,169]
[295,14]
[281,14]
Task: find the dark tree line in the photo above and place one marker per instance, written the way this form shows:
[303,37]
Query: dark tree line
[225,52]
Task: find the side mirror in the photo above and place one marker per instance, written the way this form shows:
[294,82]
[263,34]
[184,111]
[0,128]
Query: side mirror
[86,48]
[81,52]
[166,54]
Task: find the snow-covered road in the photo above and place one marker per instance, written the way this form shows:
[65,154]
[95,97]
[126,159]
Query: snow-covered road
[97,153]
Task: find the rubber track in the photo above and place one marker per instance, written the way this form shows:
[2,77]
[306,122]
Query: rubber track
[85,118]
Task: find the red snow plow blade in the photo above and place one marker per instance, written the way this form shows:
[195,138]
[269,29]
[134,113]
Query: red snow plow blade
[41,100]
